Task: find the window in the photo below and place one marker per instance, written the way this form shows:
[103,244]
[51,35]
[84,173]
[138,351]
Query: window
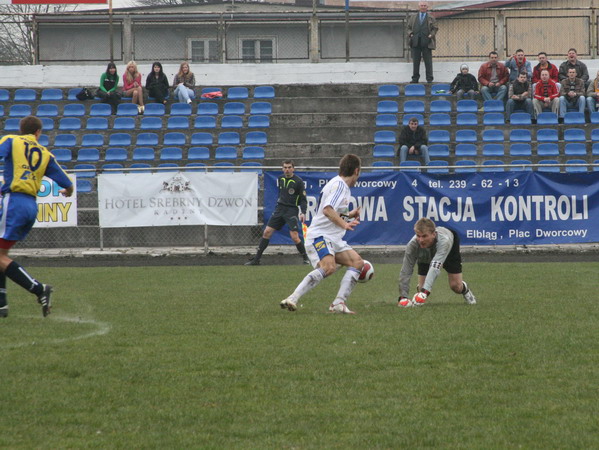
[204,50]
[257,50]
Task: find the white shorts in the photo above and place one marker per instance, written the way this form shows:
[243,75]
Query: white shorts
[322,246]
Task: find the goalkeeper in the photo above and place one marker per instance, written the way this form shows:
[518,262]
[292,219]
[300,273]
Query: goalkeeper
[432,248]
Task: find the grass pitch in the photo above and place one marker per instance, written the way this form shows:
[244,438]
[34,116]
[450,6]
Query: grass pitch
[203,357]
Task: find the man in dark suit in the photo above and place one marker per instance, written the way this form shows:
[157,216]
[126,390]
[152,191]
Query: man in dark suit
[422,28]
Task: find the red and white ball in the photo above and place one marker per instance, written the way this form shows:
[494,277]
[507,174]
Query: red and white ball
[367,272]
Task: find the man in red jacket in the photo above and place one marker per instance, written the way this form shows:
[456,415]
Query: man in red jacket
[493,77]
[544,64]
[546,95]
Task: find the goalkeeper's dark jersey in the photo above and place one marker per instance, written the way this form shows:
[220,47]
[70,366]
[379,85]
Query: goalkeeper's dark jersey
[292,192]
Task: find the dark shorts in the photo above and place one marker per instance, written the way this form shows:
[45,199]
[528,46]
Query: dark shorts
[453,262]
[285,215]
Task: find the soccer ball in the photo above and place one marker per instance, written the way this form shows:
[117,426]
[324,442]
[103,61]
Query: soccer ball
[367,272]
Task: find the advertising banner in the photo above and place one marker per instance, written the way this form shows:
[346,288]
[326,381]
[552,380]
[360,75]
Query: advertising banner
[167,198]
[50,2]
[493,208]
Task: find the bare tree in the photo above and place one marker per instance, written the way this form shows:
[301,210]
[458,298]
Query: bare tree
[17,45]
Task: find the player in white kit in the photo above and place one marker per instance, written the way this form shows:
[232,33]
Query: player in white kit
[324,243]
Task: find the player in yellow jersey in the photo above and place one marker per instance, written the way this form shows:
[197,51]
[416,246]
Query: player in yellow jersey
[26,162]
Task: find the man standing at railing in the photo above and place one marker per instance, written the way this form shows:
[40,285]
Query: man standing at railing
[422,28]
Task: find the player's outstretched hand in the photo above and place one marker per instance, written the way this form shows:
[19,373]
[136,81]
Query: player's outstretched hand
[66,192]
[351,225]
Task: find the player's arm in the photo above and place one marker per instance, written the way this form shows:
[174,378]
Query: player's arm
[56,173]
[334,217]
[444,244]
[302,201]
[5,146]
[407,268]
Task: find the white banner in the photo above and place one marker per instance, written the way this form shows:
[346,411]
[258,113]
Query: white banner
[167,198]
[53,209]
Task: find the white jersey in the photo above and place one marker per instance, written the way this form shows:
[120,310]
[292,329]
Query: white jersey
[335,194]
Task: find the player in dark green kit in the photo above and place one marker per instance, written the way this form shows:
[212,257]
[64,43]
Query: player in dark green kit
[290,210]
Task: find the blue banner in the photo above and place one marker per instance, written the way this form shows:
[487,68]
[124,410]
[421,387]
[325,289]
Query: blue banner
[492,208]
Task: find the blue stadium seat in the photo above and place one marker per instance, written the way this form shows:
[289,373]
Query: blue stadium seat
[141,168]
[151,123]
[414,90]
[466,136]
[493,106]
[520,165]
[97,123]
[492,162]
[388,90]
[546,168]
[174,139]
[547,118]
[223,166]
[4,95]
[198,153]
[147,139]
[92,140]
[100,109]
[207,90]
[47,123]
[181,109]
[74,110]
[259,121]
[253,152]
[547,135]
[208,109]
[20,110]
[231,122]
[440,90]
[574,118]
[467,106]
[1,110]
[548,149]
[413,106]
[88,154]
[466,119]
[386,120]
[264,92]
[440,106]
[205,123]
[72,94]
[260,108]
[520,135]
[234,108]
[177,123]
[143,154]
[112,168]
[595,135]
[520,118]
[595,117]
[409,166]
[575,149]
[201,139]
[440,120]
[466,150]
[44,140]
[62,154]
[119,140]
[237,93]
[251,166]
[520,149]
[84,186]
[171,154]
[438,150]
[438,136]
[85,170]
[493,119]
[228,138]
[225,153]
[47,110]
[387,107]
[196,167]
[25,95]
[381,166]
[64,140]
[465,162]
[127,109]
[385,137]
[116,154]
[124,123]
[383,151]
[595,149]
[574,135]
[154,109]
[69,124]
[51,95]
[408,117]
[256,138]
[437,166]
[493,150]
[572,168]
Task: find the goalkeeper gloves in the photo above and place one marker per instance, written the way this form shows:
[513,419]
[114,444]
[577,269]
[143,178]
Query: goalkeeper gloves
[420,297]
